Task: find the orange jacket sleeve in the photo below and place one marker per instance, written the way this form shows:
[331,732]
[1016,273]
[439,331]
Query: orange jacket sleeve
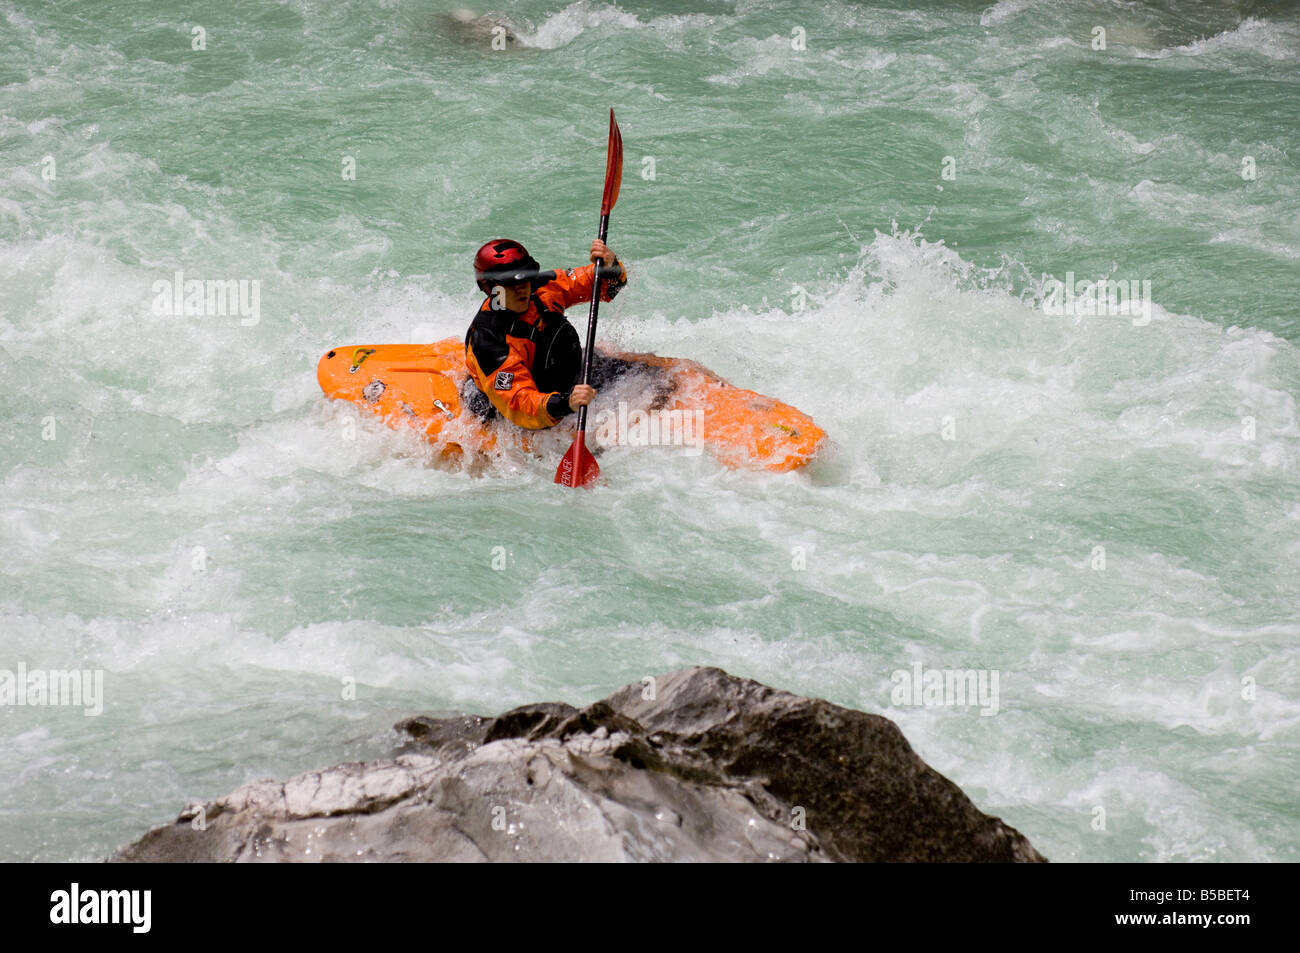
[509,385]
[574,285]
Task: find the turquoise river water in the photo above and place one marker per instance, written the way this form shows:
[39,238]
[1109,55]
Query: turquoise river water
[854,207]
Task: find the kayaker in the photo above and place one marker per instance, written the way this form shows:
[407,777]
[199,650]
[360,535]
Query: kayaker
[524,356]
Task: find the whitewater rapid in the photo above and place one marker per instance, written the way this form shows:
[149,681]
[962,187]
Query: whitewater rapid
[1103,513]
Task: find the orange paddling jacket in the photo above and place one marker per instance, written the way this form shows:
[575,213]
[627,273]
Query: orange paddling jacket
[527,364]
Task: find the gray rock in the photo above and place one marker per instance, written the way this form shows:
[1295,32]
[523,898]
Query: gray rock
[488,31]
[702,766]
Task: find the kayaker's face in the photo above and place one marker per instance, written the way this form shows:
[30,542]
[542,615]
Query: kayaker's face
[516,297]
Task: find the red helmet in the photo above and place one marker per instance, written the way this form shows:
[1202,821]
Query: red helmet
[504,262]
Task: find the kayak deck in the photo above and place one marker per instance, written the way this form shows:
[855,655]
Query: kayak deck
[419,386]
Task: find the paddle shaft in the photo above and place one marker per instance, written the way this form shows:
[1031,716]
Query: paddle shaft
[590,349]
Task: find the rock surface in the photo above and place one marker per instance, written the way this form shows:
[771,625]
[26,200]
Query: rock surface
[695,765]
[471,29]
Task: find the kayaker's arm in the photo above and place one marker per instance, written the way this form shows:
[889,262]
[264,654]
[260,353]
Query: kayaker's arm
[575,284]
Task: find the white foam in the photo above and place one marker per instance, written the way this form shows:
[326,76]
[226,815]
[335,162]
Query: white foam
[1252,35]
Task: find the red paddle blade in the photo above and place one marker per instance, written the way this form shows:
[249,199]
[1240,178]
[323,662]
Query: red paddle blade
[578,468]
[613,167]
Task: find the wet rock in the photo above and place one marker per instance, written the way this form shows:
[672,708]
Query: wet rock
[486,30]
[700,765]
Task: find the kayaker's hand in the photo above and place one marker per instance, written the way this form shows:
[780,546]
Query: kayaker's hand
[582,395]
[600,250]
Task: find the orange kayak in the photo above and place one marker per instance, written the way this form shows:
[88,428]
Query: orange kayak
[672,402]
